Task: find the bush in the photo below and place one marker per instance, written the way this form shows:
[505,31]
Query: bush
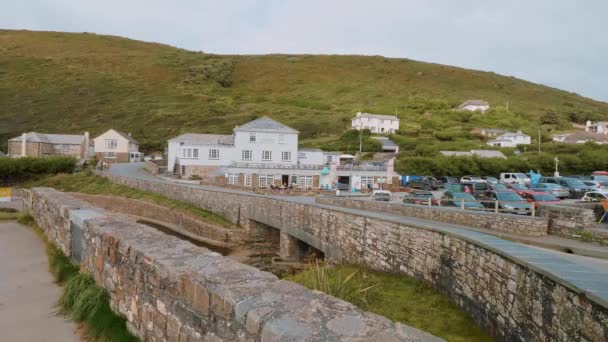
[20,169]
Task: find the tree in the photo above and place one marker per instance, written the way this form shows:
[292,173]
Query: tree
[549,118]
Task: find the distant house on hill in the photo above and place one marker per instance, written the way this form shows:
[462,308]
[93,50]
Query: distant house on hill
[511,140]
[581,138]
[475,105]
[117,147]
[478,153]
[375,123]
[596,127]
[489,132]
[33,144]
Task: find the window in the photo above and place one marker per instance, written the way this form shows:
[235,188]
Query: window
[266,155]
[246,155]
[329,159]
[110,154]
[281,138]
[190,153]
[301,155]
[252,138]
[214,154]
[367,182]
[233,178]
[183,169]
[111,143]
[265,180]
[285,156]
[247,180]
[195,153]
[305,182]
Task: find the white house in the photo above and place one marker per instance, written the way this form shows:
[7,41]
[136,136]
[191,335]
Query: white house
[581,138]
[511,140]
[117,147]
[375,122]
[475,105]
[261,154]
[596,127]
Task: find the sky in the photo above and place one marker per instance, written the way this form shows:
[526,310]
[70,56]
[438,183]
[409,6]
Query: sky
[560,43]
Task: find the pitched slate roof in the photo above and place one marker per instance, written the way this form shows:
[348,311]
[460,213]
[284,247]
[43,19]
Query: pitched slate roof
[310,150]
[585,136]
[64,139]
[126,136]
[386,142]
[456,153]
[474,103]
[265,124]
[375,116]
[205,139]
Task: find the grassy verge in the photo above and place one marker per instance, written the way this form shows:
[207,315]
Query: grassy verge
[82,300]
[8,215]
[396,297]
[89,183]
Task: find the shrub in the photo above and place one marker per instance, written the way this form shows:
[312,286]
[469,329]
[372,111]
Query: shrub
[20,169]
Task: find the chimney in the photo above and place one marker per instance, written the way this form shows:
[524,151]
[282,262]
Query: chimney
[358,113]
[23,144]
[129,133]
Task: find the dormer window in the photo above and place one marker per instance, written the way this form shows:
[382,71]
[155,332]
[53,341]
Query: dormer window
[252,138]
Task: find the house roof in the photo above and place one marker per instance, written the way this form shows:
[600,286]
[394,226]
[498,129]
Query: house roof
[127,136]
[456,153]
[310,150]
[205,139]
[585,136]
[474,103]
[386,142]
[265,124]
[375,116]
[510,134]
[488,153]
[64,139]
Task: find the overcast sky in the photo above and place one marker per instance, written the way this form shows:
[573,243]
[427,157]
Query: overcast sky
[561,43]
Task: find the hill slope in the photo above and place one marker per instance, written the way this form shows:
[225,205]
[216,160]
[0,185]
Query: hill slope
[68,83]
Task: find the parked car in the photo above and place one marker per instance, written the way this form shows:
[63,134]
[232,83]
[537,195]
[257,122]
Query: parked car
[596,184]
[471,180]
[426,183]
[382,195]
[476,189]
[595,196]
[575,186]
[510,178]
[498,187]
[555,189]
[517,187]
[539,197]
[508,202]
[449,180]
[488,179]
[460,199]
[421,197]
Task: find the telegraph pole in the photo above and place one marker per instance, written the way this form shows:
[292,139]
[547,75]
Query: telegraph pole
[539,141]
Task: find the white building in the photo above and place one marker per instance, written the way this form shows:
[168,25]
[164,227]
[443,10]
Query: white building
[580,138]
[261,154]
[596,127]
[375,123]
[117,147]
[511,140]
[475,105]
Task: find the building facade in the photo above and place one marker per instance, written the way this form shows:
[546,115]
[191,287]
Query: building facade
[511,140]
[35,144]
[117,147]
[596,127]
[375,123]
[263,154]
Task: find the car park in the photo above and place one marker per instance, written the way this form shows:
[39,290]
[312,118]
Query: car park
[539,198]
[426,183]
[498,187]
[382,195]
[596,184]
[517,187]
[517,177]
[449,180]
[507,202]
[476,189]
[595,196]
[461,200]
[555,189]
[421,197]
[471,180]
[491,180]
[575,187]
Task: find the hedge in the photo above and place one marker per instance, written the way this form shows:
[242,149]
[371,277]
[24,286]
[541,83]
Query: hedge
[19,169]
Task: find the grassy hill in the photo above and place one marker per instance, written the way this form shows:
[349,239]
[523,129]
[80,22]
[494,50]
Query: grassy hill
[68,83]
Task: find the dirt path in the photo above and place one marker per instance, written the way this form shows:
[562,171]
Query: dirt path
[27,290]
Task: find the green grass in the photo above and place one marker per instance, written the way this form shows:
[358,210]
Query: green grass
[87,182]
[397,297]
[82,300]
[81,81]
[8,215]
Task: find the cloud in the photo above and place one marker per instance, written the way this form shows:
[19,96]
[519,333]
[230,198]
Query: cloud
[559,43]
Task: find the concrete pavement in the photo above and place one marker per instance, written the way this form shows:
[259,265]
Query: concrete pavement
[27,291]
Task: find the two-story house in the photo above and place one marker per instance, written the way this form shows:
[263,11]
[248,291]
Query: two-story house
[511,140]
[35,144]
[259,154]
[117,147]
[375,123]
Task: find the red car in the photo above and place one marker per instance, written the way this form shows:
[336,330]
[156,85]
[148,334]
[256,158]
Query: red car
[538,197]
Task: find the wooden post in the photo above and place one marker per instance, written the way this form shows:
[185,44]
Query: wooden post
[462,203]
[496,206]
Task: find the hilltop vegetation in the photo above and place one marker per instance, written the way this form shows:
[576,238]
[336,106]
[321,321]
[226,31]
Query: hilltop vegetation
[72,82]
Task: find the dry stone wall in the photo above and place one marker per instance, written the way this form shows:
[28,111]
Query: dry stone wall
[171,290]
[513,300]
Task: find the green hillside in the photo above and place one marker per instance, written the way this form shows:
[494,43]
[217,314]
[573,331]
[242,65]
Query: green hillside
[68,83]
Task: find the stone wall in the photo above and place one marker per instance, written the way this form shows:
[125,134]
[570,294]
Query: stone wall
[507,223]
[567,220]
[227,236]
[171,290]
[151,167]
[513,300]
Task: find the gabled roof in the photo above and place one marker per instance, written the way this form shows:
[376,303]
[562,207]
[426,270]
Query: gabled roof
[375,116]
[64,139]
[510,134]
[122,134]
[474,103]
[585,136]
[204,139]
[265,124]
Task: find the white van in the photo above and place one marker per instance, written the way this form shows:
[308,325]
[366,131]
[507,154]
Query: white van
[514,178]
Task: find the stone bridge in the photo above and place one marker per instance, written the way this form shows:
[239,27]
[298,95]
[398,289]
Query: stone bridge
[517,293]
